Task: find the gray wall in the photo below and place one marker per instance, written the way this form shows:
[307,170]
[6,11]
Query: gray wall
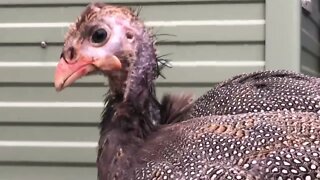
[227,37]
[310,40]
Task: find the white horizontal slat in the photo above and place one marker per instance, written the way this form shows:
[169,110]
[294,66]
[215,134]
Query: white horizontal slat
[48,144]
[45,115]
[205,74]
[206,23]
[6,2]
[51,104]
[176,52]
[35,25]
[174,64]
[49,134]
[148,23]
[47,172]
[203,33]
[27,64]
[42,153]
[218,63]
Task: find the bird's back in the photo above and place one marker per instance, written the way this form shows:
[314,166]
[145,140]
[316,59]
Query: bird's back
[273,145]
[260,92]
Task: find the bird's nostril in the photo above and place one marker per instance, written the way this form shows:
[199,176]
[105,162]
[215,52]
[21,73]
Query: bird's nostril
[62,56]
[71,53]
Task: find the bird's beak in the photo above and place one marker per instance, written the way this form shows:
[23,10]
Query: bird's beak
[68,73]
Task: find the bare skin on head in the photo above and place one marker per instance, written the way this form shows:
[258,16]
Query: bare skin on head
[98,40]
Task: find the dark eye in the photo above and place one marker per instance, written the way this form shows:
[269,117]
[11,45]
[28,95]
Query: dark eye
[99,36]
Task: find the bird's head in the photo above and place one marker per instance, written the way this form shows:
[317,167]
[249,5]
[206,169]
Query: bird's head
[106,39]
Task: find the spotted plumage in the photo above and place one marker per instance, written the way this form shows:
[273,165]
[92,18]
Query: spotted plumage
[273,145]
[260,92]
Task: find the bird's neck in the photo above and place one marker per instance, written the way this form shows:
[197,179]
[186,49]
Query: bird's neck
[130,115]
[135,96]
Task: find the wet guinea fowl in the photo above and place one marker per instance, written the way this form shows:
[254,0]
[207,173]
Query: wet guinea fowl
[280,144]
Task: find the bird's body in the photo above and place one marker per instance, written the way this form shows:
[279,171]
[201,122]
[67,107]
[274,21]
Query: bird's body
[277,140]
[263,125]
[271,145]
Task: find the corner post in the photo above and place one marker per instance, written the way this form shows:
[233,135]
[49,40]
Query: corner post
[283,43]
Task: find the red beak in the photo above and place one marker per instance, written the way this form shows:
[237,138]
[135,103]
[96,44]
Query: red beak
[67,73]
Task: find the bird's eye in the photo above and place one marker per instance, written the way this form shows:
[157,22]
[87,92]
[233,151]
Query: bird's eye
[99,36]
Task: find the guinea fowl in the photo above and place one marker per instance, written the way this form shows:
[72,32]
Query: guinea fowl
[265,145]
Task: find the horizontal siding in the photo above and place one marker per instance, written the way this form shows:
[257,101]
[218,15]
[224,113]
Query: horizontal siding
[310,41]
[82,94]
[17,113]
[49,155]
[310,44]
[47,116]
[49,2]
[310,64]
[176,52]
[205,33]
[153,12]
[207,73]
[50,172]
[54,134]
